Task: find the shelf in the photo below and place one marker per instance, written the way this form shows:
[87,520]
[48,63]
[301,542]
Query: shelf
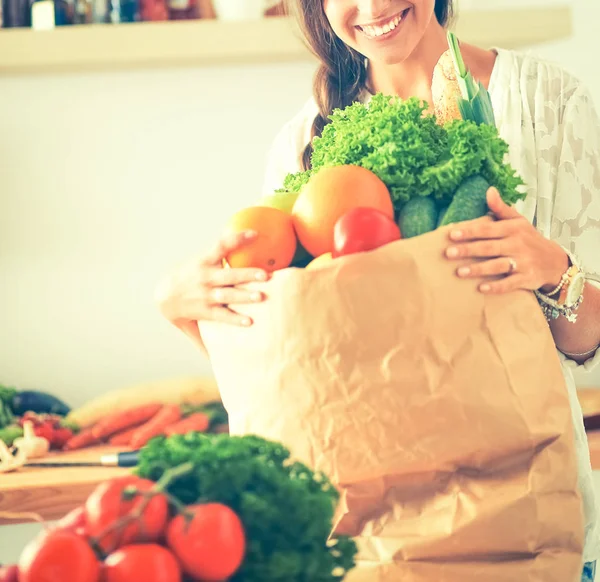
[214,42]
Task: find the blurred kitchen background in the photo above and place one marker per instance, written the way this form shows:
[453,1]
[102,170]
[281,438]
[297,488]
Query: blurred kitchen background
[110,174]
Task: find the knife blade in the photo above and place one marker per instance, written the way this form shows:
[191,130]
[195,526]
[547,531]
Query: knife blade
[127,459]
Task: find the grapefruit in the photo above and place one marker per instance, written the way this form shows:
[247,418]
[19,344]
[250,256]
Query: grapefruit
[275,244]
[328,195]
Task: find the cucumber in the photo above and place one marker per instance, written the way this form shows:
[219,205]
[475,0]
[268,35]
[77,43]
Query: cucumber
[469,202]
[418,216]
[441,215]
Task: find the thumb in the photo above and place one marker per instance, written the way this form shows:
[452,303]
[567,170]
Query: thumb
[499,208]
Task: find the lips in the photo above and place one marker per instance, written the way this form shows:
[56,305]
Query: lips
[384,27]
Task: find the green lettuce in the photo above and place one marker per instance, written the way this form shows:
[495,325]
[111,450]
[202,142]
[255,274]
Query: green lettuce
[410,152]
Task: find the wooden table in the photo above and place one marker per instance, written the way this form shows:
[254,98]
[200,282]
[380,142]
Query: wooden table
[53,492]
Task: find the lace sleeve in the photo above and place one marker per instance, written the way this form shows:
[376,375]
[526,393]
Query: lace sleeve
[285,154]
[576,212]
[279,162]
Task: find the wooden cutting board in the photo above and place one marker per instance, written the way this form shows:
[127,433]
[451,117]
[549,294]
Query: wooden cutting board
[53,492]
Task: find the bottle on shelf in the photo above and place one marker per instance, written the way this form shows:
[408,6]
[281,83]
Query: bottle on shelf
[46,14]
[101,11]
[183,9]
[15,14]
[153,10]
[83,12]
[124,11]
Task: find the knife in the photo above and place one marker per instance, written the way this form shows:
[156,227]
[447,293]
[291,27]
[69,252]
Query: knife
[128,459]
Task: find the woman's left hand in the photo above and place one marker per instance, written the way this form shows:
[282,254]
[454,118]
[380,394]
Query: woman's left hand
[508,246]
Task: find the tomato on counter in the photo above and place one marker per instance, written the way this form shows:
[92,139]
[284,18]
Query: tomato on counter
[58,555]
[107,504]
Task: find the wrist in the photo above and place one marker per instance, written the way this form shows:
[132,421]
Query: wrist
[558,266]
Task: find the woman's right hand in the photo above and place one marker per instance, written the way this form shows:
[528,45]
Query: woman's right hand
[203,289]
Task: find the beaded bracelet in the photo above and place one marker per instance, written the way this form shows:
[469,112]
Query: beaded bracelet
[552,310]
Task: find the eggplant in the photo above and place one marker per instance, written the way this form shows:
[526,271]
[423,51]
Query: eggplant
[39,402]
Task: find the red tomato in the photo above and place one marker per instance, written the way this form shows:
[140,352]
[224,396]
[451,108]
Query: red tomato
[105,506]
[72,521]
[211,546]
[9,573]
[58,555]
[60,437]
[363,229]
[141,563]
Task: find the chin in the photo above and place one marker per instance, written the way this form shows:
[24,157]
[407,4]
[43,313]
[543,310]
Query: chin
[388,54]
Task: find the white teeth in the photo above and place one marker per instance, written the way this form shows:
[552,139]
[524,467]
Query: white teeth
[376,31]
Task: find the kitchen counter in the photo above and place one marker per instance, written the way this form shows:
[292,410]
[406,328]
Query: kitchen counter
[52,492]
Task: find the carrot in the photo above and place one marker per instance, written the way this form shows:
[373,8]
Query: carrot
[168,414]
[82,439]
[122,420]
[197,422]
[123,438]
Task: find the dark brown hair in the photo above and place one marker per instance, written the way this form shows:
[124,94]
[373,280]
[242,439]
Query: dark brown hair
[342,74]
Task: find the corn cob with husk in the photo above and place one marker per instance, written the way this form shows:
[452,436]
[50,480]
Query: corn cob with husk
[456,94]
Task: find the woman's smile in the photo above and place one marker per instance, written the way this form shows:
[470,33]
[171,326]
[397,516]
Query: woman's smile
[385,28]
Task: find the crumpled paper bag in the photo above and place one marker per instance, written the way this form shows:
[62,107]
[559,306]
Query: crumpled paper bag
[441,414]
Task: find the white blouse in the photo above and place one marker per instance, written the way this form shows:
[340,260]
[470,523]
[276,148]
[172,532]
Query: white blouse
[549,121]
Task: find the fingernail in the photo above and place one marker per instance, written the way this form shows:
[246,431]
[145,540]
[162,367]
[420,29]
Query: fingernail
[246,321]
[261,276]
[250,234]
[256,296]
[452,252]
[456,234]
[484,288]
[464,271]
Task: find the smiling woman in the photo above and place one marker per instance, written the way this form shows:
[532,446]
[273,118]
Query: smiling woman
[547,243]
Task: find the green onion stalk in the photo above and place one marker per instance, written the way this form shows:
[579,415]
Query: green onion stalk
[475,103]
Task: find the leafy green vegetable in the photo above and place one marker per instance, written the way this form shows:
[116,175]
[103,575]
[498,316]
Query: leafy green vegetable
[286,508]
[476,103]
[9,433]
[7,393]
[294,182]
[410,152]
[6,413]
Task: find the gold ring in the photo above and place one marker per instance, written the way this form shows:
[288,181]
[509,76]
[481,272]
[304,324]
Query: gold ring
[512,266]
[219,296]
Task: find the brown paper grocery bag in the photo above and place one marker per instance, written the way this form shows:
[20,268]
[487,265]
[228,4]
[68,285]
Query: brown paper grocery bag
[440,413]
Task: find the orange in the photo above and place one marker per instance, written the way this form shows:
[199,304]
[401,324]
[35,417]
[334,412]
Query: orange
[329,194]
[274,247]
[320,261]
